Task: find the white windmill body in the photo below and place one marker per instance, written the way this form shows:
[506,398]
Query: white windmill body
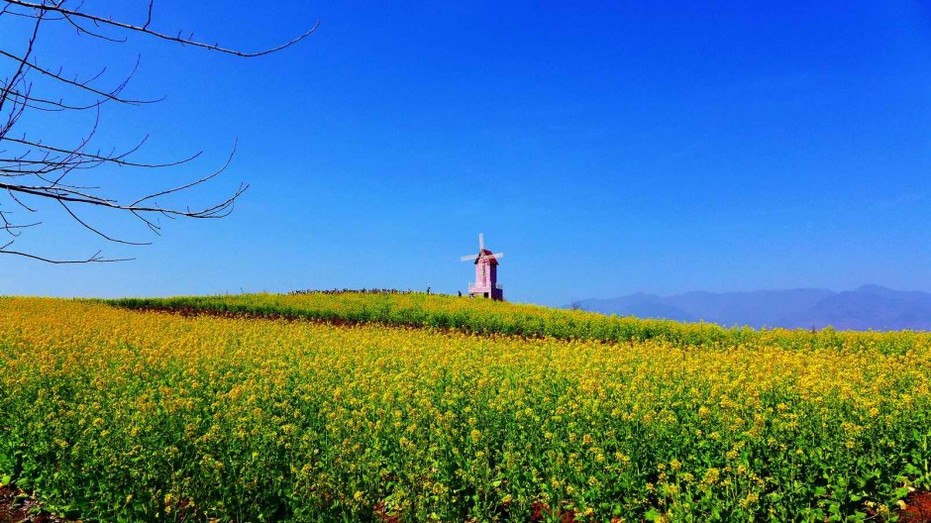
[486,272]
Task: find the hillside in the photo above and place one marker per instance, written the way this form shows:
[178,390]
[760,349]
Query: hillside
[488,317]
[251,408]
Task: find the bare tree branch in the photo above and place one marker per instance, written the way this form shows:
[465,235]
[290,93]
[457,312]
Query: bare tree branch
[34,170]
[164,36]
[84,85]
[95,258]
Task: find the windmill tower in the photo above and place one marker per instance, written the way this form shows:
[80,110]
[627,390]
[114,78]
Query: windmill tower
[486,272]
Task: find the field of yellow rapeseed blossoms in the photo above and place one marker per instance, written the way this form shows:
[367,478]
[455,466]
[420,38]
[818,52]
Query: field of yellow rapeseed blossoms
[493,317]
[110,414]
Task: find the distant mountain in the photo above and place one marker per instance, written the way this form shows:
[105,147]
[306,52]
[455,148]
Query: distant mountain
[867,307]
[640,305]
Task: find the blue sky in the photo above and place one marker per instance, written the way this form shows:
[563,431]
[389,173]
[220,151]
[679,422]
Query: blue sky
[606,149]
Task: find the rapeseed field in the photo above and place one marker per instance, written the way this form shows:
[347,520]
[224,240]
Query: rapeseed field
[109,414]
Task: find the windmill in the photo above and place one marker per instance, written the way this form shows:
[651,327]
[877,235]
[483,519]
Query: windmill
[486,272]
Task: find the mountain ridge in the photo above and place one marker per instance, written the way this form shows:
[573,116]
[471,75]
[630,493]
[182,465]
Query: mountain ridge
[868,307]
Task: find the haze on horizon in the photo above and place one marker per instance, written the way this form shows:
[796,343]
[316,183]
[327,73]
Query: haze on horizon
[606,149]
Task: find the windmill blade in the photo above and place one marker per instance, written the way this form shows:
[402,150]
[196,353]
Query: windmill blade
[468,258]
[481,242]
[497,255]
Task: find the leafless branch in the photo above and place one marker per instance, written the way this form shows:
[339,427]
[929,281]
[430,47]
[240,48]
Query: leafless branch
[95,258]
[164,36]
[34,170]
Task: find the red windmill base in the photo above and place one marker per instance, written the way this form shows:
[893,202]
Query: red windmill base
[486,272]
